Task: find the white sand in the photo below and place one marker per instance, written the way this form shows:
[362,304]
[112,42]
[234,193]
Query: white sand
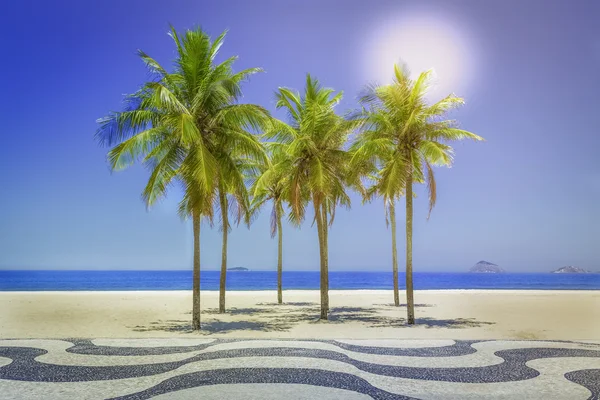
[355,314]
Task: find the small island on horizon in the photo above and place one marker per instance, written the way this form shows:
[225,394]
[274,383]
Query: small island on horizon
[569,269]
[238,269]
[486,267]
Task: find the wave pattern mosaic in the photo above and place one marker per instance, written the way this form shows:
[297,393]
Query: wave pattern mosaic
[292,369]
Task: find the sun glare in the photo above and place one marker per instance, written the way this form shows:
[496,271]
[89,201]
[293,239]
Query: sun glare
[422,43]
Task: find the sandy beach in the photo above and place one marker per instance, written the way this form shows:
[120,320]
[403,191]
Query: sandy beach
[441,314]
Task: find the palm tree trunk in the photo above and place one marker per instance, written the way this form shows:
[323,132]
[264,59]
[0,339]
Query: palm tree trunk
[324,297]
[223,201]
[279,258]
[410,304]
[394,254]
[196,283]
[326,250]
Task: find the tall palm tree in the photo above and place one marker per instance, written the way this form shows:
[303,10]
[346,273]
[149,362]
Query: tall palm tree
[315,161]
[271,184]
[404,137]
[237,151]
[179,124]
[373,161]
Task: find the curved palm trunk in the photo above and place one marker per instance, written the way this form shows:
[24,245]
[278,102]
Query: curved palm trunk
[279,259]
[196,283]
[324,283]
[223,201]
[410,304]
[394,254]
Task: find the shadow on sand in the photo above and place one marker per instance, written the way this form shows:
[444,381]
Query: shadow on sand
[215,326]
[456,323]
[242,311]
[403,305]
[288,315]
[289,303]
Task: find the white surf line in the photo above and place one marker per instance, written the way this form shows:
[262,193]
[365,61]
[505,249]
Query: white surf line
[550,384]
[57,355]
[484,356]
[263,391]
[151,342]
[398,343]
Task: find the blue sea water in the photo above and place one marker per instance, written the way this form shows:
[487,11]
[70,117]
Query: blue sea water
[267,280]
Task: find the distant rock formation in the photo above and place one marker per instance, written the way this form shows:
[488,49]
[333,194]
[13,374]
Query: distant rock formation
[486,267]
[238,269]
[569,269]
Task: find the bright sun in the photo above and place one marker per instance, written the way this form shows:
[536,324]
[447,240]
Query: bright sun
[423,43]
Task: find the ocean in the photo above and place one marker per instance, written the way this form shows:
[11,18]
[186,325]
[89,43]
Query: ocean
[267,280]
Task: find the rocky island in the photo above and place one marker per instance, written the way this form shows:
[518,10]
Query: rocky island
[238,269]
[486,267]
[569,269]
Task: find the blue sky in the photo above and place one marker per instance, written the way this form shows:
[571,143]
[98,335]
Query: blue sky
[526,199]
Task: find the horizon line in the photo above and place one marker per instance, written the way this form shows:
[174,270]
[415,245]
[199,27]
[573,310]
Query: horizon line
[266,270]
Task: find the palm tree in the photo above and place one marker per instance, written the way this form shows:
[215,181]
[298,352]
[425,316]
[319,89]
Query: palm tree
[404,137]
[179,123]
[271,185]
[315,161]
[373,160]
[237,151]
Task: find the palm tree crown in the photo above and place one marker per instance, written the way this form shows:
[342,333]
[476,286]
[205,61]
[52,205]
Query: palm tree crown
[181,123]
[270,183]
[402,134]
[314,140]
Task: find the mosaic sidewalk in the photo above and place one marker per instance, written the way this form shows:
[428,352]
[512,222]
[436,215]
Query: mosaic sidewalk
[294,369]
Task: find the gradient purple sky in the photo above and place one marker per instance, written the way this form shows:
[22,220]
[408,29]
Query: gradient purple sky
[526,199]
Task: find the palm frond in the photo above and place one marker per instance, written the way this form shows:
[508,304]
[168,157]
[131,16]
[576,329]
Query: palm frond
[162,176]
[431,188]
[401,134]
[131,150]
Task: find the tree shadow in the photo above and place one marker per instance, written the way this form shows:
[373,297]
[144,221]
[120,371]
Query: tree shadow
[335,315]
[404,305]
[240,311]
[290,303]
[281,320]
[353,314]
[456,323]
[263,326]
[215,326]
[171,325]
